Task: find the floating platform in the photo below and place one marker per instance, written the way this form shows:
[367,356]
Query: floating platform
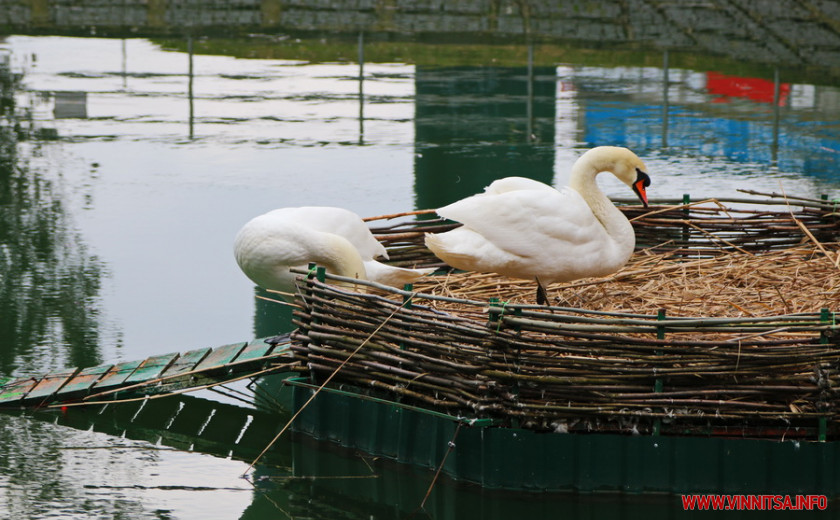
[515,396]
[524,460]
[156,374]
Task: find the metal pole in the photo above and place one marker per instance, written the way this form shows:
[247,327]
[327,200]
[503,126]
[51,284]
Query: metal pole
[530,109]
[124,66]
[190,83]
[665,101]
[776,115]
[361,88]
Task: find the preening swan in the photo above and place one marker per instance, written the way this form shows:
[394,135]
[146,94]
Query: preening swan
[268,245]
[523,228]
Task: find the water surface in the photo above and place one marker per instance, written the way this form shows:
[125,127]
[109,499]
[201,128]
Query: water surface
[123,180]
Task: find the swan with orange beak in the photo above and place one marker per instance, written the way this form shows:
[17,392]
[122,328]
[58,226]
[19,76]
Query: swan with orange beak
[525,229]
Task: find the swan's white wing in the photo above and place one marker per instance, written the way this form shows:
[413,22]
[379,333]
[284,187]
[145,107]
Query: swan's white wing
[529,223]
[338,221]
[514,184]
[463,248]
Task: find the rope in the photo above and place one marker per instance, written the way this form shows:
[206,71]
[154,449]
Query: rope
[325,383]
[451,446]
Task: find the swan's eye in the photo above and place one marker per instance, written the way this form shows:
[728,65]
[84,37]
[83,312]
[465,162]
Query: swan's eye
[643,177]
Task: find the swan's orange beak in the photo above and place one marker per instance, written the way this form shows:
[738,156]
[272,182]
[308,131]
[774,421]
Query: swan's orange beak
[642,182]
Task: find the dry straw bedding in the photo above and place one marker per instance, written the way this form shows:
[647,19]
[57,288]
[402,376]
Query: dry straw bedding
[739,284]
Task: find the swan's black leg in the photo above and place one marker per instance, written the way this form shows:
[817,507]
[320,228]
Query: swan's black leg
[542,295]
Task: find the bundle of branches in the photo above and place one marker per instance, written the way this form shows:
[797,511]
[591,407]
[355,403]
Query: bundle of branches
[569,369]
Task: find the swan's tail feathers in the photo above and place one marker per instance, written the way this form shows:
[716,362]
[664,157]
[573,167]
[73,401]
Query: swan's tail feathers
[433,242]
[437,244]
[445,247]
[393,276]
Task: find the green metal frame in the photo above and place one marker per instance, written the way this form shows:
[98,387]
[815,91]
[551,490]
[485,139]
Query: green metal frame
[525,460]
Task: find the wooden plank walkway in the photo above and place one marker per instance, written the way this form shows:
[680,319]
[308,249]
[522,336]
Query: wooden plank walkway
[152,375]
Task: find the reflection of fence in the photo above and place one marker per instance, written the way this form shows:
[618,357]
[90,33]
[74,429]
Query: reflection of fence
[180,422]
[765,30]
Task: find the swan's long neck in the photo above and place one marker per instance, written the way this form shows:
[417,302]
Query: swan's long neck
[582,180]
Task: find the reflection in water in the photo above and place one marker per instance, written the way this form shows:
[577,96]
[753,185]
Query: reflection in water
[666,82]
[297,477]
[280,132]
[70,105]
[190,80]
[272,315]
[474,125]
[106,462]
[361,88]
[740,119]
[48,281]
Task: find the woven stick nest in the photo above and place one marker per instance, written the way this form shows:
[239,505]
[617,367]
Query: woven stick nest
[719,329]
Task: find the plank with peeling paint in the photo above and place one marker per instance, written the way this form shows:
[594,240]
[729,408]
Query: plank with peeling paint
[116,376]
[151,368]
[48,386]
[221,356]
[187,362]
[13,392]
[83,381]
[254,350]
[199,367]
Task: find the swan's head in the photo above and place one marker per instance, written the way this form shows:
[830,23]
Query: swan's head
[623,163]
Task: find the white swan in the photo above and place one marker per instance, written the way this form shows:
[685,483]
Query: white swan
[268,245]
[523,228]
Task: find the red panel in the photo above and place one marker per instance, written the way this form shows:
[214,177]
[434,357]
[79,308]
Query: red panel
[755,89]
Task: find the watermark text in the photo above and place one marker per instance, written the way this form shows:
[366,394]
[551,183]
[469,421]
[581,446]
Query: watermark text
[754,502]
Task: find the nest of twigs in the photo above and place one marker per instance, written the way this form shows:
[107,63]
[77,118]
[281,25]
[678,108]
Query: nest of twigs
[722,324]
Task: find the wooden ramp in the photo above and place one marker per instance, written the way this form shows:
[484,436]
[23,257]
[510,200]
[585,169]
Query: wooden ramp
[157,374]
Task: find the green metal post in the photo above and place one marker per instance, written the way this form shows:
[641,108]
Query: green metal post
[660,329]
[407,297]
[657,384]
[517,311]
[825,319]
[493,314]
[686,232]
[311,270]
[406,304]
